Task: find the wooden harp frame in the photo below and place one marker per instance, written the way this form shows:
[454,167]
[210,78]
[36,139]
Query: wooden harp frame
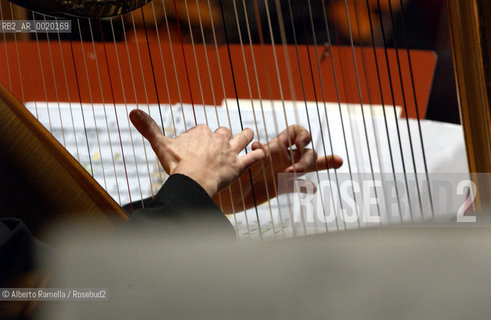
[470,23]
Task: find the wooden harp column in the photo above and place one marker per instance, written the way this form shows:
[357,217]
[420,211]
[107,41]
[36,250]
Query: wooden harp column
[470,23]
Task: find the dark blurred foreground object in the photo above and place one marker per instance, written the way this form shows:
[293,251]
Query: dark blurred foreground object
[405,273]
[82,8]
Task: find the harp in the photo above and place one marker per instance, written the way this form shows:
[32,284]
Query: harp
[224,63]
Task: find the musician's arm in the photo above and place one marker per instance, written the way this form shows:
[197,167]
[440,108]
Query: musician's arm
[181,205]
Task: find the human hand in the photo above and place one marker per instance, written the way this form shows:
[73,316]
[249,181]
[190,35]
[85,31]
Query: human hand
[280,158]
[209,158]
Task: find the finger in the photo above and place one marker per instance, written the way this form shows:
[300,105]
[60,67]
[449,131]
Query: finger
[250,159]
[305,163]
[295,135]
[147,127]
[259,145]
[302,139]
[240,141]
[329,162]
[224,132]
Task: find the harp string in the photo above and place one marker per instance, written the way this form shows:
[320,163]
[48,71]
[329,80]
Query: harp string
[65,78]
[371,115]
[210,82]
[280,86]
[128,56]
[379,81]
[127,114]
[191,34]
[94,117]
[263,171]
[253,193]
[81,107]
[413,86]
[174,64]
[401,81]
[43,79]
[230,125]
[338,98]
[153,71]
[114,106]
[196,63]
[389,73]
[275,119]
[264,122]
[355,64]
[185,62]
[255,69]
[375,130]
[55,86]
[210,79]
[92,104]
[321,83]
[294,32]
[284,44]
[164,69]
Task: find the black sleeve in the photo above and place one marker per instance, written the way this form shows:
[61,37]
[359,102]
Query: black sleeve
[181,205]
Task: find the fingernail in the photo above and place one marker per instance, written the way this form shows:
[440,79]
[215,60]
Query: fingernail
[138,115]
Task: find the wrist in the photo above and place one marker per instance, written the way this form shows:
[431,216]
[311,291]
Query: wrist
[200,178]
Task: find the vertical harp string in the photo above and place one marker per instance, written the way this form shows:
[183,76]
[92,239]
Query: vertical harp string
[299,65]
[372,115]
[55,85]
[321,84]
[361,100]
[123,91]
[212,89]
[94,116]
[293,96]
[69,100]
[404,100]
[338,98]
[379,81]
[152,69]
[291,86]
[260,96]
[130,66]
[92,105]
[171,47]
[263,170]
[413,86]
[199,79]
[80,102]
[240,116]
[389,73]
[280,86]
[43,79]
[114,107]
[222,81]
[185,62]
